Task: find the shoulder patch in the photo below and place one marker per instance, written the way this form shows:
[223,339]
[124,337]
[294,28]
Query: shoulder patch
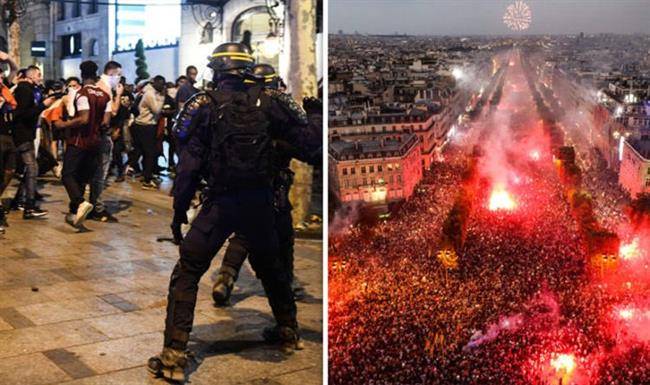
[289,104]
[183,126]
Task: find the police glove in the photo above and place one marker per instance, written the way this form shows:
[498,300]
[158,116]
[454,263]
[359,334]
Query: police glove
[180,217]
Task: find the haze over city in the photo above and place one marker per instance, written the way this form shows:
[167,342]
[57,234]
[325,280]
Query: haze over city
[484,17]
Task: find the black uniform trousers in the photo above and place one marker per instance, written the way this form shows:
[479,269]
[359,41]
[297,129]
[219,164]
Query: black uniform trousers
[246,212]
[238,248]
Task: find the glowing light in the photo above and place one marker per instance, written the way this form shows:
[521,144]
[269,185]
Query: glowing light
[535,155]
[621,143]
[564,363]
[271,46]
[630,250]
[452,131]
[500,199]
[626,314]
[618,112]
[518,16]
[630,98]
[457,73]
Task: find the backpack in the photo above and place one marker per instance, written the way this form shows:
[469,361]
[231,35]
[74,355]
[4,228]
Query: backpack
[241,147]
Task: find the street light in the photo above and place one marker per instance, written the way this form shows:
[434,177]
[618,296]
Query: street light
[271,46]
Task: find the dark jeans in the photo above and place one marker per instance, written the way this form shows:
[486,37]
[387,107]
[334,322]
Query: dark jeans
[238,249]
[7,161]
[144,144]
[27,155]
[171,150]
[79,166]
[99,178]
[118,150]
[251,214]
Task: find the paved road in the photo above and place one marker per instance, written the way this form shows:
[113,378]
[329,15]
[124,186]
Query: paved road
[88,308]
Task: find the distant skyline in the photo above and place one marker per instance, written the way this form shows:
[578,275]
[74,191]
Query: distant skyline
[484,17]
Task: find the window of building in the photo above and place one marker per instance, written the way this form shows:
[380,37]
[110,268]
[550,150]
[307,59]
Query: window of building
[76,8]
[399,178]
[365,181]
[345,171]
[60,10]
[347,183]
[372,168]
[353,170]
[94,47]
[363,169]
[93,7]
[390,179]
[380,168]
[390,167]
[71,45]
[255,22]
[647,183]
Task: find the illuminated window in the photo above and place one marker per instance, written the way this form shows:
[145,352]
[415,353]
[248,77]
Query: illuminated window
[158,24]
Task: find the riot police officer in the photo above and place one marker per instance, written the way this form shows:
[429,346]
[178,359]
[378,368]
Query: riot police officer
[227,135]
[238,250]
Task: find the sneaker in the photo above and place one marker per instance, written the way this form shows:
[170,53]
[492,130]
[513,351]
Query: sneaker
[151,185]
[288,338]
[170,365]
[35,212]
[58,171]
[82,212]
[222,289]
[119,179]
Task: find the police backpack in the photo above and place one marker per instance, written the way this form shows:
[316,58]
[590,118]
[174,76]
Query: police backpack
[241,149]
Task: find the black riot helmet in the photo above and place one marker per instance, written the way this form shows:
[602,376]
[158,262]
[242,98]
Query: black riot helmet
[266,75]
[231,58]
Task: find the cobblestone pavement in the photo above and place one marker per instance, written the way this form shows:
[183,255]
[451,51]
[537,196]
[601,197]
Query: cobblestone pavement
[88,307]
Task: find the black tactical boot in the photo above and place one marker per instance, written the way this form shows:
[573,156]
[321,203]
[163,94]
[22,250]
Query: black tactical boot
[170,364]
[288,338]
[222,289]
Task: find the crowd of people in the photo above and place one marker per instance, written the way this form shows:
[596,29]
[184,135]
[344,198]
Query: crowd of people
[523,293]
[85,130]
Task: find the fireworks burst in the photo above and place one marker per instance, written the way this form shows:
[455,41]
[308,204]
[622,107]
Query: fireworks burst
[517,16]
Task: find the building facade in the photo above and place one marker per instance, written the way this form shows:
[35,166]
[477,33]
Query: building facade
[375,171]
[634,175]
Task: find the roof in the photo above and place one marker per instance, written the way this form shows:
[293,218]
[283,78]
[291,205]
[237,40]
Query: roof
[385,147]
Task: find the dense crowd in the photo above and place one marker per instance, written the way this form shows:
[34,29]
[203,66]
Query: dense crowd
[522,296]
[85,130]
